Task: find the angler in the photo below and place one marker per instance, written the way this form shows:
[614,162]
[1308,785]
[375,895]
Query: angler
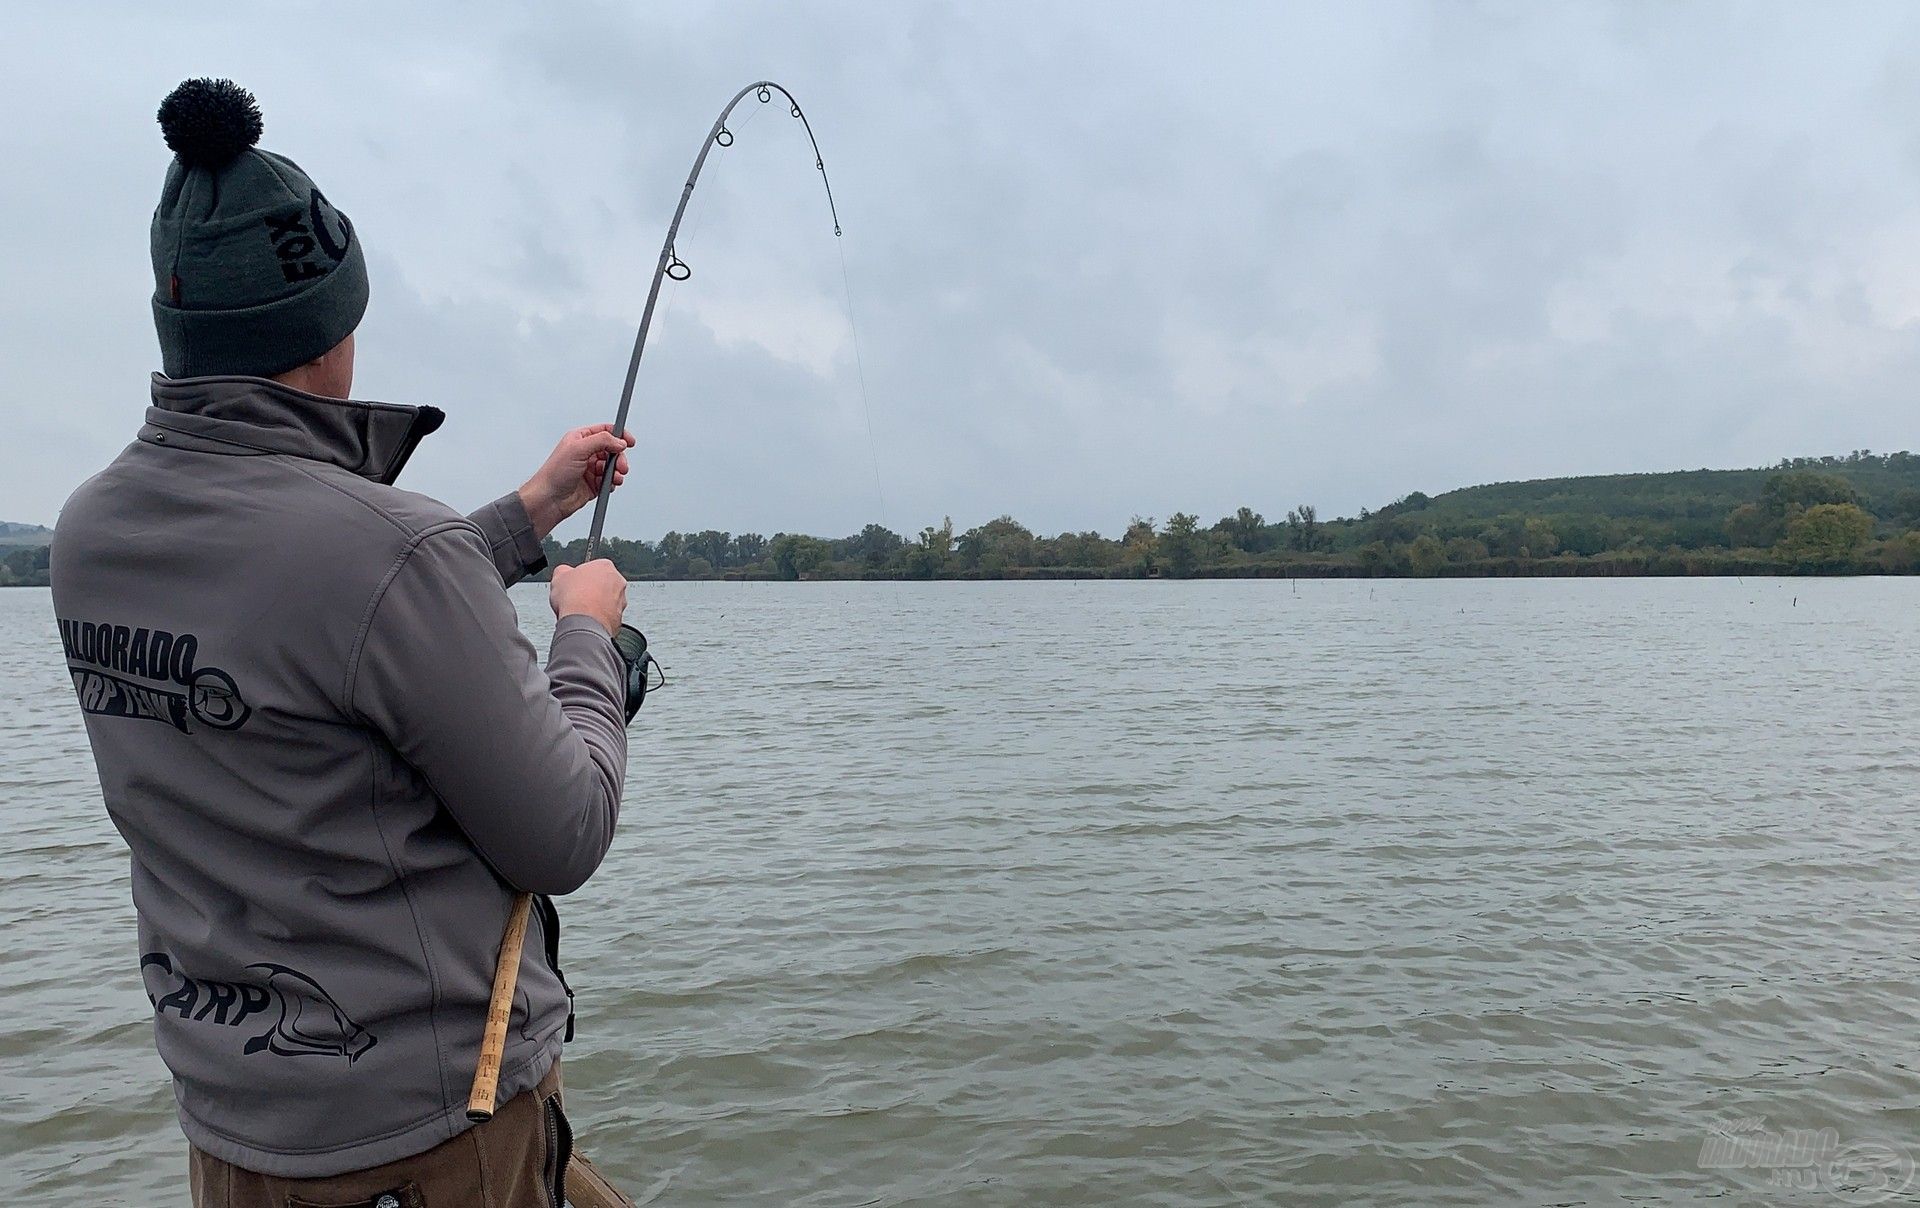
[359,765]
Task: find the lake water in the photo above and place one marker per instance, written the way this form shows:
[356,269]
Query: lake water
[1161,894]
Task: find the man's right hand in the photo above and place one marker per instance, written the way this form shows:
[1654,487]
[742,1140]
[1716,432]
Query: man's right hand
[594,589]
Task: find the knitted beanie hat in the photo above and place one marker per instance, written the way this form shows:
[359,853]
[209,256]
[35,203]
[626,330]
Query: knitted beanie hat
[254,271]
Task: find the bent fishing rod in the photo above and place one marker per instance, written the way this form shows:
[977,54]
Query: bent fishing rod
[671,266]
[631,643]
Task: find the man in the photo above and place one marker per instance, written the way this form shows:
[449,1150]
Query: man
[331,751]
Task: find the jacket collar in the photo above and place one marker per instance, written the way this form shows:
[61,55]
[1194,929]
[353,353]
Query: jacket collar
[251,416]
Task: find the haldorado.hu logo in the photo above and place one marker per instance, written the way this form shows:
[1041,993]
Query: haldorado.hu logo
[118,660]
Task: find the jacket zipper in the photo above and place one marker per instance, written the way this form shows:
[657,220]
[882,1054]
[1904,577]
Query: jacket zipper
[556,1170]
[550,928]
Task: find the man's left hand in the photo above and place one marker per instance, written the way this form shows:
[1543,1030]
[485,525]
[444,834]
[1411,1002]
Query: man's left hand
[570,479]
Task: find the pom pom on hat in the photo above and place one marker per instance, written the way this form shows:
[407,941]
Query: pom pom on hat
[208,122]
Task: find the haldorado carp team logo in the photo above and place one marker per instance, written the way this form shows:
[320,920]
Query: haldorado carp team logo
[308,1023]
[149,673]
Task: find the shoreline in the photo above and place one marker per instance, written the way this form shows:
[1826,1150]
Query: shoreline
[1535,570]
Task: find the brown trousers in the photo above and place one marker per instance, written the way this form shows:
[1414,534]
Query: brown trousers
[522,1158]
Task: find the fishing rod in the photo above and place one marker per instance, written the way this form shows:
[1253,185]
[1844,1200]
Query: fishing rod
[631,643]
[671,266]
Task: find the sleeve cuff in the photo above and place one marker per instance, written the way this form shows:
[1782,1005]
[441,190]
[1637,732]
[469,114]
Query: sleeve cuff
[510,538]
[582,623]
[612,669]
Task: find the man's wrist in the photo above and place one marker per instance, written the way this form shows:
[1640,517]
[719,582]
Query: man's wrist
[542,512]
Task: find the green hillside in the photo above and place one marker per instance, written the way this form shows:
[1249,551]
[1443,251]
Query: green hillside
[1681,510]
[1680,495]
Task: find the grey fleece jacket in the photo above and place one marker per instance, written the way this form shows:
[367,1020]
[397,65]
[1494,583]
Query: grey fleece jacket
[334,758]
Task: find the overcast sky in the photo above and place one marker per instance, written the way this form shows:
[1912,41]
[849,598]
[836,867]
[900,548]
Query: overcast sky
[1105,258]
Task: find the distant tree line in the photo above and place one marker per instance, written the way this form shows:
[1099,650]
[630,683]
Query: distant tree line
[1858,514]
[25,566]
[1854,514]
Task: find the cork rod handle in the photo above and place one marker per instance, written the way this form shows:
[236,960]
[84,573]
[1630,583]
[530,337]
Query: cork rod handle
[493,1043]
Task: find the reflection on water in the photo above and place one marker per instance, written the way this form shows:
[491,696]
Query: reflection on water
[1160,894]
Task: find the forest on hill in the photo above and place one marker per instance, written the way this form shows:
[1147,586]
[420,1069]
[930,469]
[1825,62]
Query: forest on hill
[1854,514]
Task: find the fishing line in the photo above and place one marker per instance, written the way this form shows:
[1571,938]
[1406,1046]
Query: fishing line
[866,410]
[860,368]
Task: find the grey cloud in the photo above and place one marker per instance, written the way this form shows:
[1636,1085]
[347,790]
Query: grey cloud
[1106,258]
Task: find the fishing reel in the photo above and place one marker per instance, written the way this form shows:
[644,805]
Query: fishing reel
[640,665]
